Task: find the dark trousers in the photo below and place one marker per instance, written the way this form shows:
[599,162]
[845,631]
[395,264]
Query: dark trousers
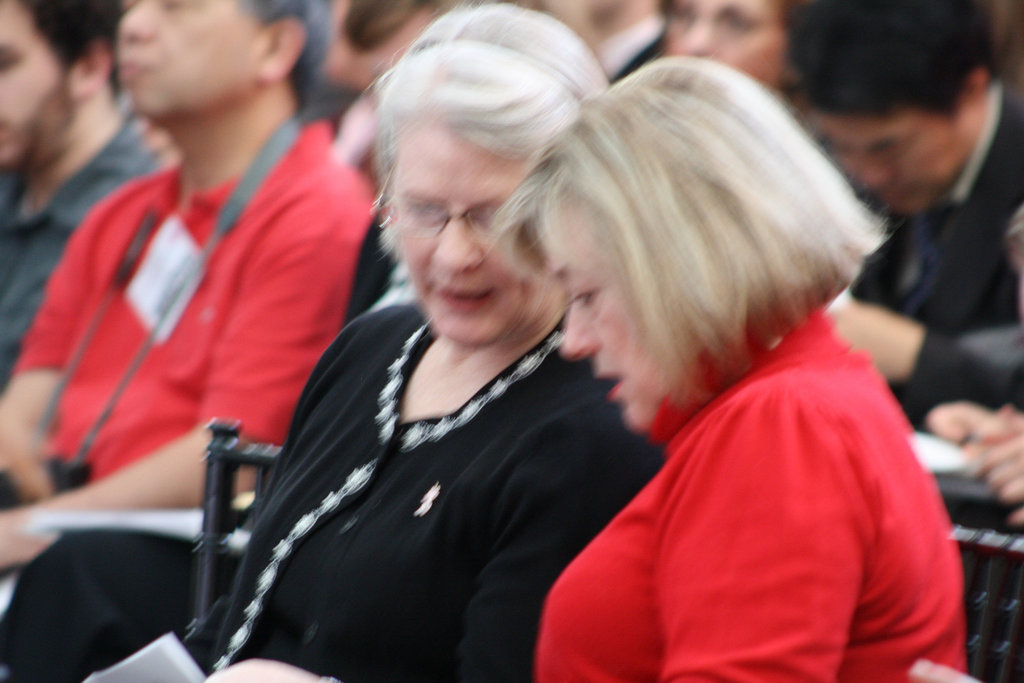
[92,599]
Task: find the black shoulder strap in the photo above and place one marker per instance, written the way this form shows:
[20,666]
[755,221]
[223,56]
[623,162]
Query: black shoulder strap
[271,152]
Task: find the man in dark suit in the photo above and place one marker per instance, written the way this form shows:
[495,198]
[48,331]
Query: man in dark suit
[903,93]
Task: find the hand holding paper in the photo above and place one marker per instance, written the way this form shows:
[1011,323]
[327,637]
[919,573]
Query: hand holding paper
[165,660]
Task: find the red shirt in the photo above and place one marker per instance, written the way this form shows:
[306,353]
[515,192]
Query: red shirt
[792,535]
[273,297]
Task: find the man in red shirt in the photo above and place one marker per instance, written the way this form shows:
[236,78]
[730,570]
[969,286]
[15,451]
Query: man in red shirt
[165,312]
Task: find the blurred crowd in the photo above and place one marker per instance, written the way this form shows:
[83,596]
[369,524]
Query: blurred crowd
[355,227]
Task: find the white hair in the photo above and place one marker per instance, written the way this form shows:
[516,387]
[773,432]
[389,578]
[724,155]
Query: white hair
[717,217]
[499,76]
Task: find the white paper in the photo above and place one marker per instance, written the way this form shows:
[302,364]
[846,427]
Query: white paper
[183,524]
[165,660]
[938,455]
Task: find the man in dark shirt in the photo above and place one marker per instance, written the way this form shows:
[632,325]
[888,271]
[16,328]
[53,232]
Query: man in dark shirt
[903,93]
[64,143]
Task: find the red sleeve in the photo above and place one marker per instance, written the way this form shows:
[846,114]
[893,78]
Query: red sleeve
[290,305]
[774,536]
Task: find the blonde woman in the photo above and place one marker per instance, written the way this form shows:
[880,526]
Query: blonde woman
[791,534]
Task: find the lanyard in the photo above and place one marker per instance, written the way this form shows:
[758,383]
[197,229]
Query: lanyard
[264,162]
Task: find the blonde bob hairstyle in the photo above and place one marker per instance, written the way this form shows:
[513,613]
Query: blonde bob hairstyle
[718,219]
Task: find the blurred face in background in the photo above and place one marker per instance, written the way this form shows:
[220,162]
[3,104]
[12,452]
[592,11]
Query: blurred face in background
[187,56]
[35,100]
[908,158]
[749,35]
[356,67]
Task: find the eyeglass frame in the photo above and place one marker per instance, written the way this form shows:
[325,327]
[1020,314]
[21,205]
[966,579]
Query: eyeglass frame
[482,229]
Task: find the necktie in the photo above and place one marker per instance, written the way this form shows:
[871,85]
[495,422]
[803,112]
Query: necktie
[926,227]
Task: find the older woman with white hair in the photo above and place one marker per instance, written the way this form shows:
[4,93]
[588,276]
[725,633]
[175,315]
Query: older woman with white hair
[444,463]
[791,534]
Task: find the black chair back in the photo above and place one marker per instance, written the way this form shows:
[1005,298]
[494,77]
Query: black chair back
[993,590]
[225,455]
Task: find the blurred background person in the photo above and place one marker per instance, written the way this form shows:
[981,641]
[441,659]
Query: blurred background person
[573,13]
[749,35]
[625,34]
[183,297]
[791,534]
[991,427]
[444,463]
[993,443]
[902,91]
[64,143]
[369,35]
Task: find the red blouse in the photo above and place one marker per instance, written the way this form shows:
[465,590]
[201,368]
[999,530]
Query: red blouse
[791,535]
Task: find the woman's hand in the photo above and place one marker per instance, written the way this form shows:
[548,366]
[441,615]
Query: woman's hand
[264,671]
[924,671]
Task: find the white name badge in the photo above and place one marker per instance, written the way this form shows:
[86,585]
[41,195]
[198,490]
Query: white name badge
[166,279]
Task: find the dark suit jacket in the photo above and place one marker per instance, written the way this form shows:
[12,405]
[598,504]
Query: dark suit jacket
[976,287]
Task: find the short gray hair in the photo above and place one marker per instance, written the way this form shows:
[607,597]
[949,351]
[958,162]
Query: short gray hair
[314,15]
[721,222]
[499,76]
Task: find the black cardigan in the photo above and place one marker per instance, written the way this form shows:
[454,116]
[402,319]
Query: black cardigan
[422,552]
